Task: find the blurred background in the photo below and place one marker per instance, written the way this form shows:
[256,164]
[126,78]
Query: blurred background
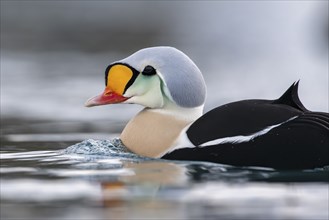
[54,53]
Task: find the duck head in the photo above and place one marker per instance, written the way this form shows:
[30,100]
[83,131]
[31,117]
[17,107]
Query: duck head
[168,84]
[152,77]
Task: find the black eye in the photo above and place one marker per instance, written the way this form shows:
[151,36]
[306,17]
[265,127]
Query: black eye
[149,71]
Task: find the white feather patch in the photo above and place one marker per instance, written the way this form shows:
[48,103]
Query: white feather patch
[182,141]
[242,138]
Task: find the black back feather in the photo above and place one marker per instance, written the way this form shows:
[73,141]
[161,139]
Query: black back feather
[291,98]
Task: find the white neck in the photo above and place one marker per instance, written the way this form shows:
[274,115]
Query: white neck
[152,132]
[188,114]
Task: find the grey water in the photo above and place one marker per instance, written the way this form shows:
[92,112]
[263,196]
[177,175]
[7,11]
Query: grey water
[60,160]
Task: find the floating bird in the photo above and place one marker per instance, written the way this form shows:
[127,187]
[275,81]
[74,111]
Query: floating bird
[279,134]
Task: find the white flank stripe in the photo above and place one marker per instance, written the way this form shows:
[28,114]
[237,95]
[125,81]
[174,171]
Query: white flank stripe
[241,138]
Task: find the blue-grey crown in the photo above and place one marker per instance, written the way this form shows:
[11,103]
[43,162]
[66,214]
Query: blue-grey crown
[183,78]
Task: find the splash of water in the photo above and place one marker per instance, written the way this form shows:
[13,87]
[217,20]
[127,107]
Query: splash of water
[107,148]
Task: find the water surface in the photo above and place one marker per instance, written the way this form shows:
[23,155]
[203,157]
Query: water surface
[49,174]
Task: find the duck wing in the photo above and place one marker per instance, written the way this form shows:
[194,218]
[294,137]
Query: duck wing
[245,117]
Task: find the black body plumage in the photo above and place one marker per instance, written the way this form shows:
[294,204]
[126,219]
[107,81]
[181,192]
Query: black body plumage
[296,137]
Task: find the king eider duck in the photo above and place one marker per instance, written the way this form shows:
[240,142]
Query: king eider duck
[279,134]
